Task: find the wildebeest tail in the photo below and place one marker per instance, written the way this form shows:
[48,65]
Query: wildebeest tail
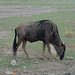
[14,44]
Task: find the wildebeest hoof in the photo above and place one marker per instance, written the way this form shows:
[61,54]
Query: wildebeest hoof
[28,58]
[52,59]
[44,58]
[57,58]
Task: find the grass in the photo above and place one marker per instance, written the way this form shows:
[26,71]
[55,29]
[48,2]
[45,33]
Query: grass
[10,24]
[64,21]
[39,2]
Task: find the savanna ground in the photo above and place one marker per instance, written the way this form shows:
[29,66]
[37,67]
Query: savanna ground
[16,12]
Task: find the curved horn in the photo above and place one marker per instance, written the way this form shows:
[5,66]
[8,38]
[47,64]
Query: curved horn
[63,42]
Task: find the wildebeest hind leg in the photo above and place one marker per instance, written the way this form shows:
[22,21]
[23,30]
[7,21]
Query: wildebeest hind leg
[44,46]
[17,45]
[23,47]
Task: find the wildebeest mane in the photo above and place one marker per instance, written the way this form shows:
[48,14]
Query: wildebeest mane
[40,22]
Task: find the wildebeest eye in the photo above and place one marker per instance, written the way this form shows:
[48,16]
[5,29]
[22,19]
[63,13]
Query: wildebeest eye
[61,44]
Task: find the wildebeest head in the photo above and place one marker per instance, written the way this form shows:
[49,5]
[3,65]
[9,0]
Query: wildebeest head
[60,49]
[63,51]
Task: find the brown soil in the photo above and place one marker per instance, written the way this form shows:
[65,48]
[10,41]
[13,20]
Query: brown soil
[27,10]
[46,68]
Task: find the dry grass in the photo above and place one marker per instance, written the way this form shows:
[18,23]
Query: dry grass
[69,33]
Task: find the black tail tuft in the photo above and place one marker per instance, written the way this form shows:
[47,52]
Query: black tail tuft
[14,44]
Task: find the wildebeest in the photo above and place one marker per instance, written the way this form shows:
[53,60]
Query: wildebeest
[44,30]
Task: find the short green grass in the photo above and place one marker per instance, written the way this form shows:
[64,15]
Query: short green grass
[39,2]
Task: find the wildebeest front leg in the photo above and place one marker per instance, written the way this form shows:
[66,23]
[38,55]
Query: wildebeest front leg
[23,47]
[44,46]
[49,50]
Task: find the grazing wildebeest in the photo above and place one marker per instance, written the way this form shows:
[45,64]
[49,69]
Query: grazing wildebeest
[44,30]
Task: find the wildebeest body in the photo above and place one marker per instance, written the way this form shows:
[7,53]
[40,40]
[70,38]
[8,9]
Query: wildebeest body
[39,31]
[44,30]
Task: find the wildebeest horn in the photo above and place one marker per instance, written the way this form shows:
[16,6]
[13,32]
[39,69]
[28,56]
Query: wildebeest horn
[63,42]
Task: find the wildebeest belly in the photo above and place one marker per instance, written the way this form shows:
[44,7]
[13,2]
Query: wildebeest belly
[32,35]
[32,38]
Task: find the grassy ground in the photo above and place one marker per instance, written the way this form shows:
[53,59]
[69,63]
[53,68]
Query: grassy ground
[39,2]
[64,21]
[61,19]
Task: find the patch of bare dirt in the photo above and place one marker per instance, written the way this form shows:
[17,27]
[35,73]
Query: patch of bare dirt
[46,68]
[24,10]
[3,34]
[27,10]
